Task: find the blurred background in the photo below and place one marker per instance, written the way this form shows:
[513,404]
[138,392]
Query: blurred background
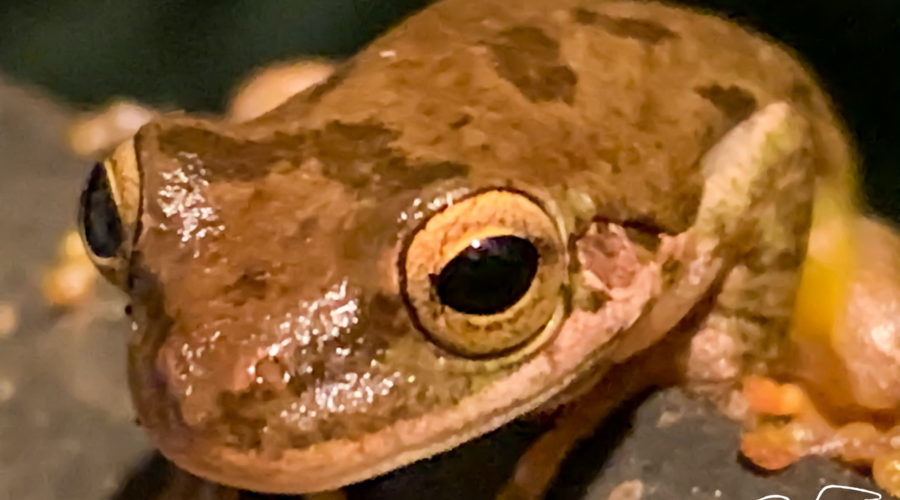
[65,420]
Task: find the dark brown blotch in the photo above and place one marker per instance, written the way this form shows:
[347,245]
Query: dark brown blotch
[734,102]
[225,158]
[251,284]
[148,294]
[362,157]
[638,29]
[400,176]
[387,314]
[359,155]
[584,16]
[235,426]
[529,59]
[461,122]
[350,152]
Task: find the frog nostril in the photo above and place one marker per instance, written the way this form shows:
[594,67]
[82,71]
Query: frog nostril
[271,373]
[251,284]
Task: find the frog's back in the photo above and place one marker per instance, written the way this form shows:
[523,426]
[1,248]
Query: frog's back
[598,95]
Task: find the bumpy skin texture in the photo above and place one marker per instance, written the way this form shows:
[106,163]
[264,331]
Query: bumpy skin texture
[274,348]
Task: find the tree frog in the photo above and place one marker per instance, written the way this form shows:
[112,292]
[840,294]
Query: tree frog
[495,208]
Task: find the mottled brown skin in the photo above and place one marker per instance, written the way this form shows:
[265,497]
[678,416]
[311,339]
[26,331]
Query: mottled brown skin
[264,277]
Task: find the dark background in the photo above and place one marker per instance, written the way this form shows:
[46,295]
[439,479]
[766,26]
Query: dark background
[189,54]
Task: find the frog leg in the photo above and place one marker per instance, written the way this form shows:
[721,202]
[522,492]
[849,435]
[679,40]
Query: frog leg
[746,328]
[846,365]
[95,134]
[768,323]
[745,333]
[756,209]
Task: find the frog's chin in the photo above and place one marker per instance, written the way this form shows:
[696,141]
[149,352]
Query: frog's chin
[335,463]
[587,342]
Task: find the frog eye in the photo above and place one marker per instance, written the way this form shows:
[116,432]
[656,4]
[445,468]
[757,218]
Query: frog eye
[485,276]
[108,211]
[99,219]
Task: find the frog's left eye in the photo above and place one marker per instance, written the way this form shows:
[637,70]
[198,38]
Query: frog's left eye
[108,211]
[484,277]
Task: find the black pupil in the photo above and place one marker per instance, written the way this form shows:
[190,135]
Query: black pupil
[99,217]
[489,276]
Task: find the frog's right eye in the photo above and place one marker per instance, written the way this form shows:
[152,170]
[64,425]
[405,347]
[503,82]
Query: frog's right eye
[108,212]
[485,277]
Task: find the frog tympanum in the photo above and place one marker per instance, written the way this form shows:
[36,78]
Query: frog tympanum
[489,210]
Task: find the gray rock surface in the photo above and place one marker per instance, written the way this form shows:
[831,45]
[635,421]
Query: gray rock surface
[65,423]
